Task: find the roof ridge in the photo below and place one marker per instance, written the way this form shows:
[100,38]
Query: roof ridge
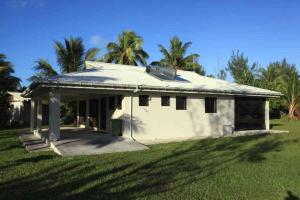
[93,63]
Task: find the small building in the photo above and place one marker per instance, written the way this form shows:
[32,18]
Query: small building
[151,103]
[19,109]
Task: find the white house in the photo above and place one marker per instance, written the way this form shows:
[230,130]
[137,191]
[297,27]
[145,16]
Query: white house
[151,103]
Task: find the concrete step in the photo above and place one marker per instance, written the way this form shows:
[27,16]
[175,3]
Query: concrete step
[33,142]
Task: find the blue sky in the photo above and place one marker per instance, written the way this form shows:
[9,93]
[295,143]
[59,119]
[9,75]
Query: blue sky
[265,31]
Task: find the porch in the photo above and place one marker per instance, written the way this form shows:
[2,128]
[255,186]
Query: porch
[95,110]
[81,141]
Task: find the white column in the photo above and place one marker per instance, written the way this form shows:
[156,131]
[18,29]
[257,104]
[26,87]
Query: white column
[99,114]
[87,117]
[267,120]
[77,114]
[32,115]
[54,115]
[39,115]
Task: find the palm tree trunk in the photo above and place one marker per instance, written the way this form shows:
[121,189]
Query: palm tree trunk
[292,108]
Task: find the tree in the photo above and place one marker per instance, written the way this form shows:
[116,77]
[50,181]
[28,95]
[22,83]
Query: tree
[269,78]
[7,82]
[283,77]
[289,86]
[71,55]
[176,57]
[43,70]
[240,70]
[222,74]
[127,50]
[70,58]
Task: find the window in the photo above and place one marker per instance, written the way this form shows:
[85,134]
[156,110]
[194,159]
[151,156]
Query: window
[143,100]
[119,102]
[180,103]
[165,100]
[112,103]
[210,105]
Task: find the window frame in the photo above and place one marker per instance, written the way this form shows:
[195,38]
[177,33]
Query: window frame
[165,103]
[146,102]
[207,106]
[184,106]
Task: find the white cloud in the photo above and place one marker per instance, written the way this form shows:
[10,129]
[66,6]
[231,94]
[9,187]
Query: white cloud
[95,40]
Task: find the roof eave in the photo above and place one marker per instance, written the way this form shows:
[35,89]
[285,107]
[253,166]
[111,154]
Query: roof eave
[48,84]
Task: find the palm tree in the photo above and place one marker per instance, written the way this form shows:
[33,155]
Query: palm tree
[71,55]
[270,76]
[290,87]
[127,50]
[7,80]
[43,70]
[70,58]
[175,57]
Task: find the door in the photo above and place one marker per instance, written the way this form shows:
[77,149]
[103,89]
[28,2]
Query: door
[93,116]
[103,113]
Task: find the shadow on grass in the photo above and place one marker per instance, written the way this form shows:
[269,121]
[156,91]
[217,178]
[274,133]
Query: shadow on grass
[135,174]
[291,196]
[272,125]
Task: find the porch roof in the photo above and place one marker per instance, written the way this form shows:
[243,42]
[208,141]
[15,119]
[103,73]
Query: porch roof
[124,77]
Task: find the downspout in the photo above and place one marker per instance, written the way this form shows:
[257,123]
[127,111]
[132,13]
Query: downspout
[131,111]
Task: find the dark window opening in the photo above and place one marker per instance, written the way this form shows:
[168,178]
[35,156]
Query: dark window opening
[93,114]
[112,103]
[165,101]
[143,100]
[180,103]
[210,105]
[249,113]
[119,102]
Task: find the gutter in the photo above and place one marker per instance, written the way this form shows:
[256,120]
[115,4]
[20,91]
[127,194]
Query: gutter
[82,85]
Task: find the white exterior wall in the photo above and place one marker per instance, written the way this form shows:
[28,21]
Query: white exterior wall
[156,122]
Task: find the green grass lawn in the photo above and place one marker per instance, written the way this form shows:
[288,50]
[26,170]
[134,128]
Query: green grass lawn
[250,167]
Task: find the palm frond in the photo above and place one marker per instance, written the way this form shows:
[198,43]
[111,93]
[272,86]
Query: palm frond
[127,50]
[43,71]
[91,54]
[176,56]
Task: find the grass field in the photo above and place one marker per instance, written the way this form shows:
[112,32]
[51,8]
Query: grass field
[250,167]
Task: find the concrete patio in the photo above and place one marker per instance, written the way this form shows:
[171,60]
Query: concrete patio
[80,141]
